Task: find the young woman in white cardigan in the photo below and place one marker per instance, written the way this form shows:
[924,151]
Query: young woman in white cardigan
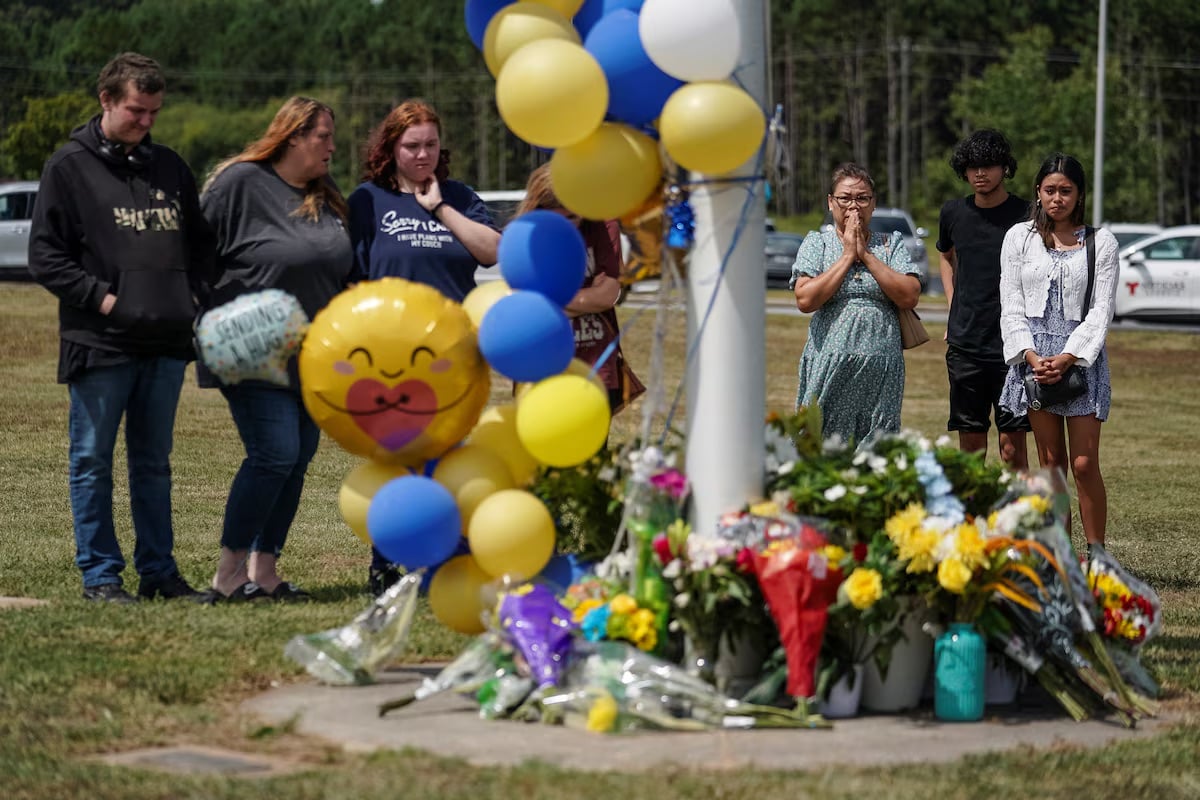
[1047,330]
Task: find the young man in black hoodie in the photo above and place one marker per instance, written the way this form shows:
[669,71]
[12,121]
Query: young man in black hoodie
[118,237]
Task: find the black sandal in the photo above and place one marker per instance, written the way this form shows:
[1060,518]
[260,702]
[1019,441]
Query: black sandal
[248,592]
[287,592]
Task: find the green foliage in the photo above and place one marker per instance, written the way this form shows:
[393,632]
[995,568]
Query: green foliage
[586,504]
[46,126]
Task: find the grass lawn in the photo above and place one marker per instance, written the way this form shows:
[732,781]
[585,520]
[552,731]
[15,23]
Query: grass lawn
[78,679]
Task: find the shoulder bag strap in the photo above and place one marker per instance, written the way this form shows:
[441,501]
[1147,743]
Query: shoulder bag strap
[1089,241]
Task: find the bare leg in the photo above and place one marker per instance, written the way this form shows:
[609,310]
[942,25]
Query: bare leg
[1050,438]
[231,571]
[1084,433]
[1013,451]
[262,570]
[973,442]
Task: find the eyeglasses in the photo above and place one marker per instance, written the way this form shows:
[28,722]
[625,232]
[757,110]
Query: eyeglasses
[845,201]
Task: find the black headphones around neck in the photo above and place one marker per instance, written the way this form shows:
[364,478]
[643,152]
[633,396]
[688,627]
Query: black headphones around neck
[137,157]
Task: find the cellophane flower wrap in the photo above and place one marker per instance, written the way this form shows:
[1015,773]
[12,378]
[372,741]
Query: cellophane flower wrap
[612,687]
[800,584]
[1130,614]
[655,495]
[604,610]
[539,629]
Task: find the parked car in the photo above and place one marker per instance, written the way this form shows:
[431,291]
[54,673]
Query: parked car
[886,220]
[1160,276]
[781,249]
[1129,232]
[16,209]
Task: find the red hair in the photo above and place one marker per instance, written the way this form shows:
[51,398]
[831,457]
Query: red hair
[380,163]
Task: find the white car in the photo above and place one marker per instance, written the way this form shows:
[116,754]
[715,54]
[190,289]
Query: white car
[16,209]
[1129,232]
[1160,276]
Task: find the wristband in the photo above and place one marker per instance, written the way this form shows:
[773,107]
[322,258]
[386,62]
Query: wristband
[437,208]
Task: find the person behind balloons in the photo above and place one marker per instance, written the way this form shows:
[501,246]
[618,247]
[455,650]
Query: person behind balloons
[593,308]
[409,219]
[280,224]
[854,281]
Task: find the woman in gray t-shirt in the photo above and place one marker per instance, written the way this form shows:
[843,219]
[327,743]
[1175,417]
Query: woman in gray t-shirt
[281,224]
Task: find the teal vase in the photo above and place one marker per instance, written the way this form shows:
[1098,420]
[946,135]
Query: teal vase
[959,675]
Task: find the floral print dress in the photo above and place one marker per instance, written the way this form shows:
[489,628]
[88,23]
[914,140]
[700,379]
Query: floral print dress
[853,364]
[1050,334]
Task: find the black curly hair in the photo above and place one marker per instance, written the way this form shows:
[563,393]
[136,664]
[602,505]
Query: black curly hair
[983,148]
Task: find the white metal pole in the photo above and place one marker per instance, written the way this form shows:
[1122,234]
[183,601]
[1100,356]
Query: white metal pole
[726,394]
[1098,169]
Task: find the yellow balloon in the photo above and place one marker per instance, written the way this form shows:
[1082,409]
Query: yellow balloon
[455,594]
[711,127]
[511,533]
[391,370]
[563,420]
[471,473]
[359,487]
[608,174]
[576,367]
[482,297]
[568,8]
[497,431]
[518,24]
[552,93]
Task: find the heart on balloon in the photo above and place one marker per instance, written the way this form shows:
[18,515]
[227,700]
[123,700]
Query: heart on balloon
[392,417]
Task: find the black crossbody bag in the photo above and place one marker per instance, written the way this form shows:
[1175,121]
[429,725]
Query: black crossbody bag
[1074,381]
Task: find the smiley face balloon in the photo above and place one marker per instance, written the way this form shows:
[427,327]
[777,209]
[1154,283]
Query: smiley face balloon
[390,369]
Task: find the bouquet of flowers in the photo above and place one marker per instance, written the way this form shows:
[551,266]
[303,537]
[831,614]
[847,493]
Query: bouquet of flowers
[611,687]
[1130,614]
[602,610]
[799,583]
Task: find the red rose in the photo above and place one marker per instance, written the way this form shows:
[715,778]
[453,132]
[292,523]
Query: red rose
[662,548]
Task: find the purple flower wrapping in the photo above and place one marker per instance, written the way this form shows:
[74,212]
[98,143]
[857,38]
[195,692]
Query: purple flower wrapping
[539,628]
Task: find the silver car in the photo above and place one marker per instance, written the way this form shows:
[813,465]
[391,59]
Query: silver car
[886,219]
[16,209]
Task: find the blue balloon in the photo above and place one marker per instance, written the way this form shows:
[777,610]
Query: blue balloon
[592,10]
[564,569]
[543,252]
[526,337]
[414,522]
[637,88]
[478,14]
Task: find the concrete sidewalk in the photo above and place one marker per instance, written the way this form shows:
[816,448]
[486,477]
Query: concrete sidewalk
[448,725]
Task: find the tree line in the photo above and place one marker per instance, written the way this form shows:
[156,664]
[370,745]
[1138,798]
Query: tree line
[892,85]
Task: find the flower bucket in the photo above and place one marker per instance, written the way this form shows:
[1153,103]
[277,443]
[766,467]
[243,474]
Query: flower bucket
[740,657]
[960,674]
[1002,680]
[844,698]
[907,671]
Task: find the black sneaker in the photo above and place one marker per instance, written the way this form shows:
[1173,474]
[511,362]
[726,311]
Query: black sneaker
[108,593]
[169,587]
[380,580]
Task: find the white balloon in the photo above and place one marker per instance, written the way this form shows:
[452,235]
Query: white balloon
[693,40]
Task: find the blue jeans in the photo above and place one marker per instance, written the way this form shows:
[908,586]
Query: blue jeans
[145,391]
[280,439]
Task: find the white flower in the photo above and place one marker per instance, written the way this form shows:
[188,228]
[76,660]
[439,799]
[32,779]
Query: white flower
[606,474]
[834,493]
[859,490]
[850,474]
[901,461]
[682,599]
[673,569]
[834,444]
[878,465]
[860,458]
[943,441]
[786,467]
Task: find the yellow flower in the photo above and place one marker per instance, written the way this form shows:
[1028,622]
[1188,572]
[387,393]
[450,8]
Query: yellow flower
[642,630]
[1038,503]
[954,575]
[864,587]
[623,604]
[766,508]
[918,549]
[904,523]
[602,716]
[968,546]
[584,607]
[834,553]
